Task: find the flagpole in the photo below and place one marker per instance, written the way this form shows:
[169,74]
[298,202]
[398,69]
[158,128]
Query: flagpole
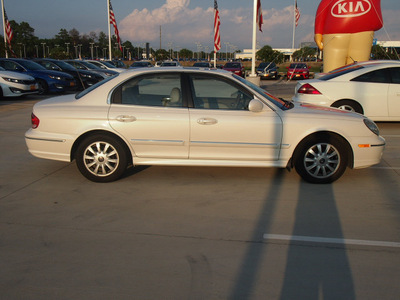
[4,29]
[294,22]
[109,30]
[253,55]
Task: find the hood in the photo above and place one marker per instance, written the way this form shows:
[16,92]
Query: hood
[49,72]
[334,113]
[15,75]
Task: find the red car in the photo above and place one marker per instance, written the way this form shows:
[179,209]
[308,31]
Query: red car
[298,71]
[235,67]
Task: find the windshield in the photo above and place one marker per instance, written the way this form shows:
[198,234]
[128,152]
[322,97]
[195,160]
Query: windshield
[278,102]
[169,64]
[232,65]
[94,86]
[140,64]
[30,65]
[266,64]
[89,65]
[108,64]
[64,65]
[298,66]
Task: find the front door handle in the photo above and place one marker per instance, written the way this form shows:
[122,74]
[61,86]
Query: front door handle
[207,121]
[124,118]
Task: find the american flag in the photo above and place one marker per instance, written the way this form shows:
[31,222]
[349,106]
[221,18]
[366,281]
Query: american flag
[296,14]
[217,22]
[113,22]
[260,20]
[9,32]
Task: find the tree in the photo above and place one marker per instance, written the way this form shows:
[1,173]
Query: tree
[267,54]
[24,40]
[378,52]
[185,53]
[161,54]
[304,53]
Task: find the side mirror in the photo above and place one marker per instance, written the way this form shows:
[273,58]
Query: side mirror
[255,106]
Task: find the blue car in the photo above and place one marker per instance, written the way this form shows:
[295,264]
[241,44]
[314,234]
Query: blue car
[49,81]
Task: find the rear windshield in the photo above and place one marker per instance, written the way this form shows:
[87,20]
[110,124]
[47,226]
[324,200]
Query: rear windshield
[340,71]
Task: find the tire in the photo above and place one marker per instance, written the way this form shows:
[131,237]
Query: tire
[321,159]
[43,87]
[102,158]
[348,105]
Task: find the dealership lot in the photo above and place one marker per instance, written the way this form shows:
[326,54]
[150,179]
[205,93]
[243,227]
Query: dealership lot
[195,232]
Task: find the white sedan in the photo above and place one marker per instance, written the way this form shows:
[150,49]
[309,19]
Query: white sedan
[13,84]
[189,117]
[371,88]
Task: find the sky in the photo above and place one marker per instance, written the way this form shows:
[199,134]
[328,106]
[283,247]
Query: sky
[185,23]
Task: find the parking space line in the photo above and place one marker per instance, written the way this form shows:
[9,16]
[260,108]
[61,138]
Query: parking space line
[385,168]
[324,240]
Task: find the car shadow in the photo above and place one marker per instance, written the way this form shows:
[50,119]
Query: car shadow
[317,271]
[133,170]
[313,270]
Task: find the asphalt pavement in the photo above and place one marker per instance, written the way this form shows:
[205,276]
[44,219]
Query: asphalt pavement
[194,232]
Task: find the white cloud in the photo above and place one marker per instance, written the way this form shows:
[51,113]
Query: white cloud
[183,26]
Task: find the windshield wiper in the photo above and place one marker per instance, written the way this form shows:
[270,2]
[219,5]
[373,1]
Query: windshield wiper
[286,103]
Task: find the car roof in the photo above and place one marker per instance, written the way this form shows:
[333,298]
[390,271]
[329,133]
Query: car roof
[348,72]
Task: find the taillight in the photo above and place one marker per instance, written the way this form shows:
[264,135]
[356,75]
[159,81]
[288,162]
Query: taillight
[308,89]
[35,121]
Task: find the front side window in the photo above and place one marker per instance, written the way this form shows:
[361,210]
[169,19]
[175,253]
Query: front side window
[216,93]
[153,90]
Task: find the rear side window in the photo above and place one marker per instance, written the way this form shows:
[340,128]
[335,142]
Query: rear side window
[152,90]
[377,76]
[395,72]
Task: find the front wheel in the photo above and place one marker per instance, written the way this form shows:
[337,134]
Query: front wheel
[321,160]
[101,158]
[43,87]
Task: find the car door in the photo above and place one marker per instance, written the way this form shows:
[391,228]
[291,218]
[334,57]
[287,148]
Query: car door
[371,90]
[394,93]
[222,127]
[148,111]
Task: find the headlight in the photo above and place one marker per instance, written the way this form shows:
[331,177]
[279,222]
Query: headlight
[371,126]
[13,80]
[55,77]
[86,75]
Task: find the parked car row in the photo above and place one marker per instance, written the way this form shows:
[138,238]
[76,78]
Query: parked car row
[45,75]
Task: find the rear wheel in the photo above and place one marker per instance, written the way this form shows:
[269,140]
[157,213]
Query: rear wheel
[349,106]
[321,159]
[101,158]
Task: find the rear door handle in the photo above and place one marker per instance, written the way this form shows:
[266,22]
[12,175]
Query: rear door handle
[207,121]
[124,118]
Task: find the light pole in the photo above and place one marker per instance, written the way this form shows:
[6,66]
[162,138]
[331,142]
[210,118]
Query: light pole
[67,49]
[91,49]
[44,51]
[226,53]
